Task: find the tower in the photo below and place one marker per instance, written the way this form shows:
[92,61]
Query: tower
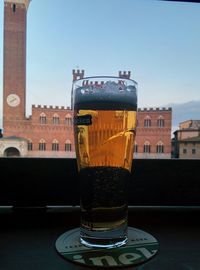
[14,61]
[78,74]
[125,75]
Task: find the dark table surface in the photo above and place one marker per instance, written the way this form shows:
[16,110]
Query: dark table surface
[27,237]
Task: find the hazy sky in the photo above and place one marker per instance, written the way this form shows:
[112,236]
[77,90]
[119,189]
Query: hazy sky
[159,42]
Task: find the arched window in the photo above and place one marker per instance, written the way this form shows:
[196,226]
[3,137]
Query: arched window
[68,120]
[160,121]
[119,114]
[30,145]
[147,121]
[147,147]
[42,145]
[56,119]
[43,119]
[160,147]
[55,145]
[68,146]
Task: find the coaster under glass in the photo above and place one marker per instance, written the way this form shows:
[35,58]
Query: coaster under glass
[141,247]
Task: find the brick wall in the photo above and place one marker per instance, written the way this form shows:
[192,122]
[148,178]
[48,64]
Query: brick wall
[33,130]
[153,133]
[14,67]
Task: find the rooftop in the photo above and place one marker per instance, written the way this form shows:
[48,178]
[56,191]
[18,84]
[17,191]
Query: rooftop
[11,138]
[192,139]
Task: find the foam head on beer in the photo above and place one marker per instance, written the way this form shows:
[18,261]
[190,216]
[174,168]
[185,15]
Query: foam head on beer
[116,94]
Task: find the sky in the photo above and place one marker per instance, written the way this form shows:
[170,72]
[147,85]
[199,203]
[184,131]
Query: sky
[158,41]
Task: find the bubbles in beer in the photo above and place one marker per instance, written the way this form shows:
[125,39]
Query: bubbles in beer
[103,196]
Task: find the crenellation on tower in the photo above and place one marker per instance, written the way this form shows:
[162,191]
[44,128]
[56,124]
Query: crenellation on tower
[78,74]
[157,109]
[124,74]
[85,83]
[50,107]
[18,2]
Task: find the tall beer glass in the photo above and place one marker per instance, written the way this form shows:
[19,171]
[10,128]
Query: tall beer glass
[104,127]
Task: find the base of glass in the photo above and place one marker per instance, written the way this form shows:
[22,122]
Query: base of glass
[103,243]
[104,239]
[140,248]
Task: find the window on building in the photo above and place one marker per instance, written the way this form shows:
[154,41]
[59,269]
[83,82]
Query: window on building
[193,151]
[56,119]
[55,145]
[68,120]
[68,146]
[119,114]
[160,147]
[147,122]
[184,151]
[135,148]
[43,118]
[147,147]
[160,122]
[42,145]
[13,7]
[30,145]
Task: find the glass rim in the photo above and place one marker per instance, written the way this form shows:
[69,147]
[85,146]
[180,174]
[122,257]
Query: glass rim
[105,76]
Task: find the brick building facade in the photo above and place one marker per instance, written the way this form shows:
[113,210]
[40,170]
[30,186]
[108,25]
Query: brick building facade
[48,132]
[153,139]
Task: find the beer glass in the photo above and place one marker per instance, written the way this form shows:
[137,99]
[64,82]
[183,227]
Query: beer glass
[104,130]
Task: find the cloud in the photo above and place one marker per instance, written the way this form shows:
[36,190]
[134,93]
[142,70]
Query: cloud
[184,111]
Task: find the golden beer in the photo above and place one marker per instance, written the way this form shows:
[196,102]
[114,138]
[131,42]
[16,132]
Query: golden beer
[108,140]
[104,139]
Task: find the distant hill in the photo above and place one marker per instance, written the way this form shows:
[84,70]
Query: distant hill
[184,111]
